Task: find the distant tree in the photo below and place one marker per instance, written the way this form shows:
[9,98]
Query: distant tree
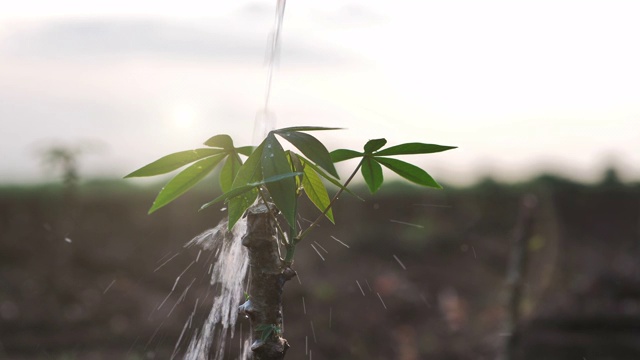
[64,159]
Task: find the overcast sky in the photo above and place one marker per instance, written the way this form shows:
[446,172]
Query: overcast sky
[519,86]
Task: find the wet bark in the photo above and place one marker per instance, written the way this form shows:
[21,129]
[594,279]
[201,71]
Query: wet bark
[267,277]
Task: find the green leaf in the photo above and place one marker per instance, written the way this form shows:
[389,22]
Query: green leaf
[372,173]
[229,171]
[231,194]
[344,154]
[220,141]
[296,165]
[306,128]
[329,178]
[316,191]
[173,161]
[413,148]
[409,172]
[283,193]
[249,172]
[246,188]
[312,148]
[245,150]
[185,180]
[373,145]
[268,331]
[277,178]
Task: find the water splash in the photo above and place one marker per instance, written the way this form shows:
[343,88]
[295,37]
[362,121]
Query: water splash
[229,273]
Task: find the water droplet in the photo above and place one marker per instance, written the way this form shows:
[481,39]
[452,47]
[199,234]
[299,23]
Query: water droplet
[407,223]
[383,304]
[109,286]
[399,262]
[360,287]
[313,331]
[318,252]
[336,239]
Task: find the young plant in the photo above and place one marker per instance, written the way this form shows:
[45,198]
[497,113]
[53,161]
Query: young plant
[267,185]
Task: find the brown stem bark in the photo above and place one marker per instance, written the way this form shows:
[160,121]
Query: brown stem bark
[267,277]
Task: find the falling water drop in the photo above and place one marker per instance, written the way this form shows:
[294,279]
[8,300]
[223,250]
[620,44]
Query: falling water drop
[336,239]
[165,263]
[399,262]
[320,246]
[407,223]
[109,286]
[304,307]
[313,331]
[383,304]
[318,252]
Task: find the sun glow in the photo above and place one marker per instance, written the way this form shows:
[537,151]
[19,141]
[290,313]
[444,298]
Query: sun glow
[183,116]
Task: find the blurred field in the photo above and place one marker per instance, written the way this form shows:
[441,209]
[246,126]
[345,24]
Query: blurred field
[82,274]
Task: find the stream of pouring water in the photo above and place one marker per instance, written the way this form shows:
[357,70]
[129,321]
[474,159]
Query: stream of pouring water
[229,272]
[265,120]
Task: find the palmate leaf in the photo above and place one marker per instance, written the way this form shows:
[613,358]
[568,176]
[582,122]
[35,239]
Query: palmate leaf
[372,173]
[329,178]
[312,148]
[229,171]
[413,148]
[185,180]
[222,141]
[344,154]
[409,172]
[316,191]
[283,193]
[373,145]
[172,162]
[306,128]
[245,150]
[296,165]
[249,172]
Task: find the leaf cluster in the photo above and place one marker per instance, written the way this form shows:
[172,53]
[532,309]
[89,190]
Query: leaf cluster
[373,159]
[280,176]
[268,330]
